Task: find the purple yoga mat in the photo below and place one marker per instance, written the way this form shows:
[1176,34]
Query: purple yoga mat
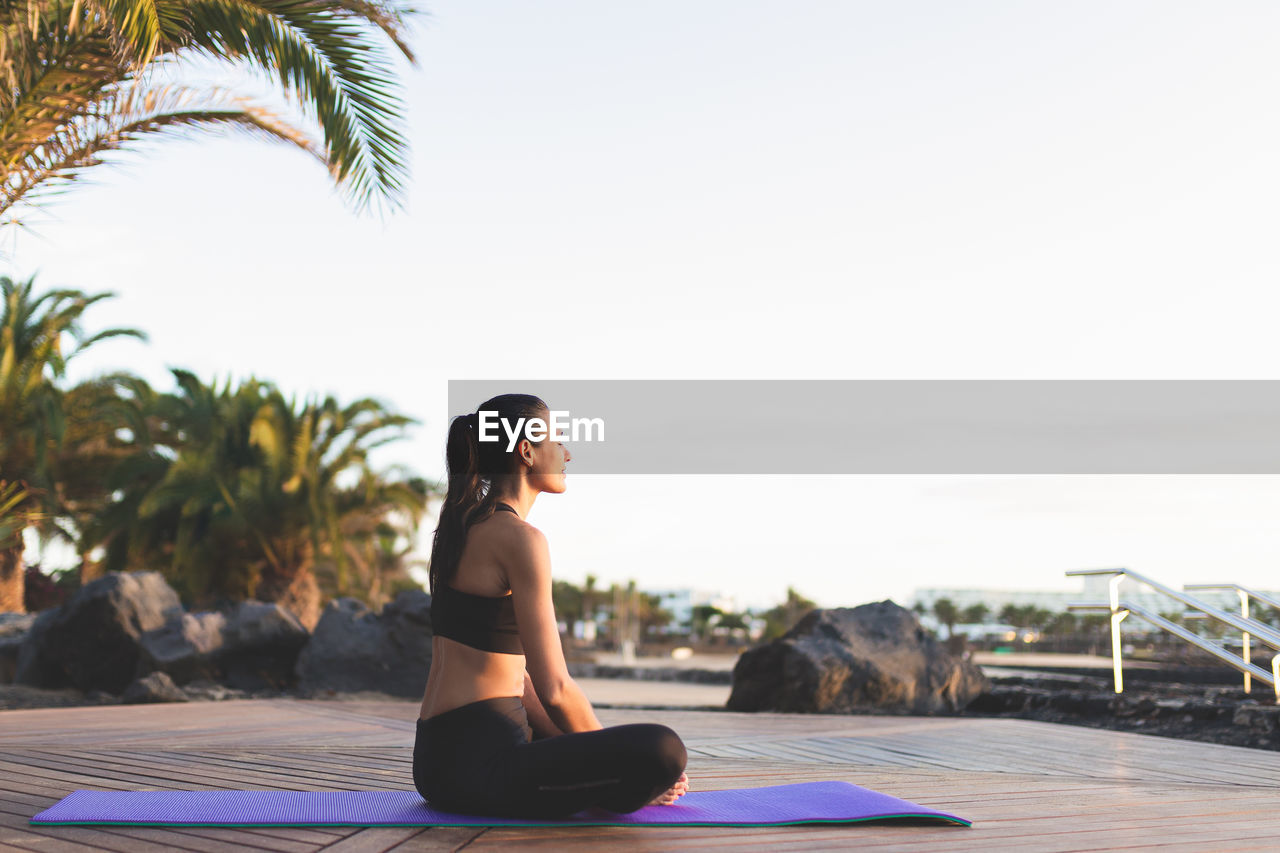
[806,802]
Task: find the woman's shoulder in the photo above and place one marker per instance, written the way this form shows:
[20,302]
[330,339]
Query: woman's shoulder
[520,548]
[508,530]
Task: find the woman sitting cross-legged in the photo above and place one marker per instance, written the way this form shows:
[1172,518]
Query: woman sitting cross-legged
[504,730]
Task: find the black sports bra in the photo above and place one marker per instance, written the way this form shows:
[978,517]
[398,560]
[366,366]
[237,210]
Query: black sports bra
[483,622]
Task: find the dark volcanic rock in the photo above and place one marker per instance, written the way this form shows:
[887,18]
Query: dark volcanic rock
[1006,698]
[186,647]
[156,687]
[253,646]
[13,630]
[260,646]
[354,648]
[651,673]
[92,641]
[20,696]
[875,658]
[211,691]
[1209,714]
[1260,719]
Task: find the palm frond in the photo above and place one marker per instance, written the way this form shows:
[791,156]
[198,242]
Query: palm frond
[388,17]
[130,114]
[135,25]
[321,54]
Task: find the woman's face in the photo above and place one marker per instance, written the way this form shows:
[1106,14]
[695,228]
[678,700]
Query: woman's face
[549,460]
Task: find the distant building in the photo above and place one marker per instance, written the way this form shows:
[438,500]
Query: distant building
[680,603]
[1094,588]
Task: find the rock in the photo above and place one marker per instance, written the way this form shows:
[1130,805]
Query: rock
[1261,719]
[651,673]
[1000,700]
[13,630]
[186,647]
[1139,708]
[92,641]
[1070,703]
[1167,709]
[156,687]
[873,658]
[300,595]
[355,649]
[20,696]
[1203,712]
[253,646]
[211,691]
[260,646]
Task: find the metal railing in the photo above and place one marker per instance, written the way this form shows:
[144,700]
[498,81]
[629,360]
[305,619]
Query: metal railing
[1249,628]
[1246,595]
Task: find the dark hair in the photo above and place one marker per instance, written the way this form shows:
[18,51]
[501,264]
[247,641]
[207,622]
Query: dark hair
[474,466]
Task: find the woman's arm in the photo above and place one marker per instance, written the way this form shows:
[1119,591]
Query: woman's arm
[529,573]
[539,721]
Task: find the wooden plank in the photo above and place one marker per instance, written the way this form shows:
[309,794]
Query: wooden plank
[1026,784]
[14,829]
[222,771]
[320,769]
[237,836]
[26,839]
[376,839]
[442,839]
[189,838]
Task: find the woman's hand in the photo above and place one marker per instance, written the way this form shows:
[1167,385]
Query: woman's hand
[673,793]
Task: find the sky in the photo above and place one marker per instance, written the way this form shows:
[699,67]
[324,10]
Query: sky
[714,190]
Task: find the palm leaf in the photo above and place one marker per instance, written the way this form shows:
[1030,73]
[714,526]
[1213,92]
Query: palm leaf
[135,23]
[320,54]
[127,115]
[65,64]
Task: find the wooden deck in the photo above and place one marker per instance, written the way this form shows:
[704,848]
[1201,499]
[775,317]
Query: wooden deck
[1026,785]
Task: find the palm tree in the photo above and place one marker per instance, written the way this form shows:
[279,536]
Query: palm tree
[566,598]
[945,611]
[589,599]
[1017,615]
[52,440]
[239,493]
[652,614]
[704,617]
[782,618]
[81,79]
[1062,624]
[11,522]
[378,520]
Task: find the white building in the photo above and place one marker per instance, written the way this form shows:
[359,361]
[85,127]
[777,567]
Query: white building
[680,603]
[1093,589]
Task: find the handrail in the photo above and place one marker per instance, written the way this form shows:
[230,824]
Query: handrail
[1266,633]
[1272,678]
[1248,627]
[1265,598]
[1245,595]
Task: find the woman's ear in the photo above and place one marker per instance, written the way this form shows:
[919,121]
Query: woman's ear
[526,452]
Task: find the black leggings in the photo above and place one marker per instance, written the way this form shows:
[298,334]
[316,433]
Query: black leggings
[479,759]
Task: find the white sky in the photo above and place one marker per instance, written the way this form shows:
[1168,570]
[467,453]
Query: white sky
[749,190]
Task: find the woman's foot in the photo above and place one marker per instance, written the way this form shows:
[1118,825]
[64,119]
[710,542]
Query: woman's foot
[679,789]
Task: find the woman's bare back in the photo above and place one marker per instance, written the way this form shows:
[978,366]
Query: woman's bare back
[461,674]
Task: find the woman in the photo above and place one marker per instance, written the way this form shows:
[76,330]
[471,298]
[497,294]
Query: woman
[504,730]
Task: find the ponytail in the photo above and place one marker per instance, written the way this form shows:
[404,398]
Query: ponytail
[471,467]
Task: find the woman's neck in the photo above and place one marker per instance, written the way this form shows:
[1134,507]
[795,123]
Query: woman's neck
[521,500]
